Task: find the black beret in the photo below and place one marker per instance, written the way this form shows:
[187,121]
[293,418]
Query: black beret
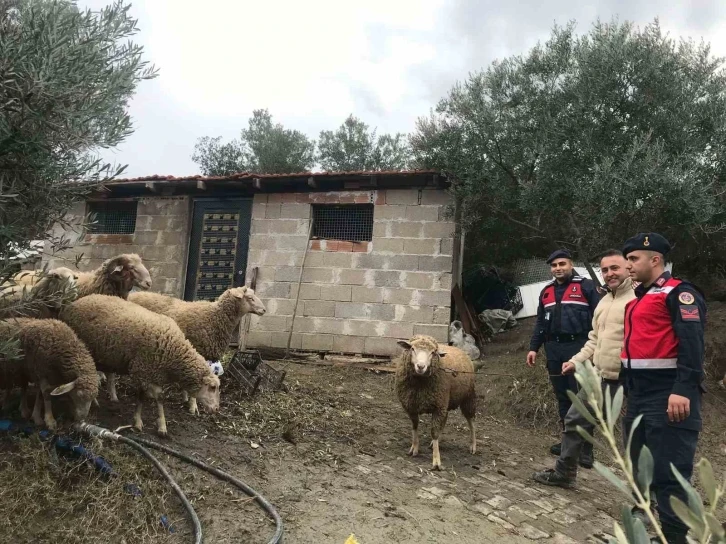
[559,254]
[648,241]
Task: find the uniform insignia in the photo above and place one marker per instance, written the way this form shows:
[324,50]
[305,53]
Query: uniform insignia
[574,288]
[646,243]
[660,282]
[686,298]
[689,313]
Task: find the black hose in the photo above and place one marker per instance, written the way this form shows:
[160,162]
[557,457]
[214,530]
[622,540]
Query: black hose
[262,501]
[187,505]
[136,442]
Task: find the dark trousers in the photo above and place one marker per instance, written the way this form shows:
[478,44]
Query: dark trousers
[669,443]
[557,354]
[572,443]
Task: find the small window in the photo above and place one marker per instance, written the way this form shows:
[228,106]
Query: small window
[352,223]
[112,217]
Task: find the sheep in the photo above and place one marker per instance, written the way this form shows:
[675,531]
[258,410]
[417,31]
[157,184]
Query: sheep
[116,277]
[55,358]
[433,378]
[125,338]
[462,340]
[48,293]
[209,326]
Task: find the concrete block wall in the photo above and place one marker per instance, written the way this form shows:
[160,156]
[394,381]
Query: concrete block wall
[354,297]
[161,238]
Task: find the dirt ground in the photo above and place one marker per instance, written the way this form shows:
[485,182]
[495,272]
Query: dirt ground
[330,454]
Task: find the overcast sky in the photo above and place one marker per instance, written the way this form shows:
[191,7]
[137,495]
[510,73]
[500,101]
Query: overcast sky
[312,63]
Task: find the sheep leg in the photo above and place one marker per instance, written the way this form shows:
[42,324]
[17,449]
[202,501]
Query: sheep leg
[155,393]
[185,396]
[138,424]
[111,379]
[193,409]
[472,434]
[414,435]
[50,422]
[441,430]
[24,408]
[6,400]
[437,420]
[37,409]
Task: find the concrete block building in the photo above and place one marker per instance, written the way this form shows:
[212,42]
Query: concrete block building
[381,249]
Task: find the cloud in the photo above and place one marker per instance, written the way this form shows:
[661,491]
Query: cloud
[313,63]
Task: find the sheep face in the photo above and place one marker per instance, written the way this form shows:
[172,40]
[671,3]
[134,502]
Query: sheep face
[208,395]
[81,400]
[422,354]
[129,271]
[252,304]
[63,274]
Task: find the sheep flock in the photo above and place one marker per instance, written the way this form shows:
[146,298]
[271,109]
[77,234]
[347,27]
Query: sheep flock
[72,329]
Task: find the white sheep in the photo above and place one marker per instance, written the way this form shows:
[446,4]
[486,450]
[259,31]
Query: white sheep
[53,357]
[209,326]
[462,340]
[432,378]
[125,338]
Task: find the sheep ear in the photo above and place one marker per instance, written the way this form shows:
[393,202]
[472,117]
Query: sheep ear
[63,389]
[118,268]
[404,344]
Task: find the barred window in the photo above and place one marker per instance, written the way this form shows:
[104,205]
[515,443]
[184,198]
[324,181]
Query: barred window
[111,217]
[349,222]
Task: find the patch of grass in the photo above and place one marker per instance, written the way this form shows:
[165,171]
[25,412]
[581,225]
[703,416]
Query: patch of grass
[47,500]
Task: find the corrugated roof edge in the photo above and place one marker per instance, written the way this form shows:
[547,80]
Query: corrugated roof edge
[251,175]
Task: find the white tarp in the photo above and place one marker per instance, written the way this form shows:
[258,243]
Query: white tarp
[530,293]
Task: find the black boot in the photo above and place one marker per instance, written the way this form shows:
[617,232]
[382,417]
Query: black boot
[553,478]
[587,456]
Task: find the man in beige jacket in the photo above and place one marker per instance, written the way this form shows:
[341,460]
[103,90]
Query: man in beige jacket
[604,347]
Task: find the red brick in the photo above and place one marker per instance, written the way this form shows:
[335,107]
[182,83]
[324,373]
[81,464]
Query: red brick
[109,238]
[331,198]
[360,247]
[347,198]
[345,246]
[362,199]
[331,245]
[380,198]
[288,197]
[315,245]
[304,198]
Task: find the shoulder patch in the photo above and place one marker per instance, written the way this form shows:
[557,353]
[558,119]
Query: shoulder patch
[686,298]
[577,278]
[690,313]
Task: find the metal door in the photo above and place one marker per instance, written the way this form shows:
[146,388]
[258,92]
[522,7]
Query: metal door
[218,247]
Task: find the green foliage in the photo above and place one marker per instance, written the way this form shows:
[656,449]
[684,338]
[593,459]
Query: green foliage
[354,147]
[703,522]
[66,76]
[264,147]
[584,141]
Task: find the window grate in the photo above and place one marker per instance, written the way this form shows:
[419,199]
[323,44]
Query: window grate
[351,223]
[112,217]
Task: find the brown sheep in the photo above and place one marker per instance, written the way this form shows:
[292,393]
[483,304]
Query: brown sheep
[56,359]
[127,339]
[432,378]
